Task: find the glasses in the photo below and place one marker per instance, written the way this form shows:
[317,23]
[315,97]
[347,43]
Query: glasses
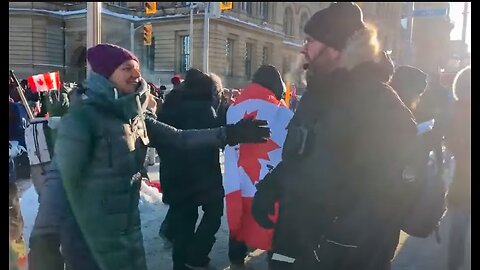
[307,40]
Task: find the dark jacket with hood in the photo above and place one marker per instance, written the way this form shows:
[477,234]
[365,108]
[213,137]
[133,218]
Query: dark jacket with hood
[99,152]
[192,174]
[346,149]
[174,96]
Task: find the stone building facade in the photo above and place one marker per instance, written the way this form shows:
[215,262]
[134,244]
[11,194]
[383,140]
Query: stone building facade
[50,36]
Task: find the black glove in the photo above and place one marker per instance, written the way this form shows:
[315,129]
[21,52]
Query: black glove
[247,130]
[263,203]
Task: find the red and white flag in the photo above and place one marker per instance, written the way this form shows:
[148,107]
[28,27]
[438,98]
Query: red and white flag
[246,164]
[44,82]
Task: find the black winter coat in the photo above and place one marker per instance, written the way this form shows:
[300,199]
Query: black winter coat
[346,147]
[190,174]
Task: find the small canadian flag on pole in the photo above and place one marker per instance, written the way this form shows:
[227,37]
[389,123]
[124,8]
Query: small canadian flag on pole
[44,82]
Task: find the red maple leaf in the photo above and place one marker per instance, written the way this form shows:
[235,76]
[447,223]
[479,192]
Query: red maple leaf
[250,153]
[40,82]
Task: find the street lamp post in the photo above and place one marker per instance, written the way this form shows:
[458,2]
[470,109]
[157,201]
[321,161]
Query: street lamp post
[132,35]
[409,57]
[94,24]
[206,30]
[190,62]
[465,18]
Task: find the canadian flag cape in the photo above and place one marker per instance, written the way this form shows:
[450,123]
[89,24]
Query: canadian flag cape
[247,164]
[44,82]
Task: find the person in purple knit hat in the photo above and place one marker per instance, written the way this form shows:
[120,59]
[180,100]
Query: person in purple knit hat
[99,153]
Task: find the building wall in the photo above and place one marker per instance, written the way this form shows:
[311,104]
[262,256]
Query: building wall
[167,41]
[38,37]
[35,44]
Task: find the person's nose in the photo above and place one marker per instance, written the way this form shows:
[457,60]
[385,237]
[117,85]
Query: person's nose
[137,73]
[303,50]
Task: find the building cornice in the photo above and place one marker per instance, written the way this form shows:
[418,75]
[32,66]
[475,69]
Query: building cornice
[265,28]
[133,18]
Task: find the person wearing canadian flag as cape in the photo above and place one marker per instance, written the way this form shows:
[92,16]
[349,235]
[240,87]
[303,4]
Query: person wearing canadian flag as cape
[246,164]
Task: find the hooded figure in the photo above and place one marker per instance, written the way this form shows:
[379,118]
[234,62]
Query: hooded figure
[185,190]
[343,156]
[99,154]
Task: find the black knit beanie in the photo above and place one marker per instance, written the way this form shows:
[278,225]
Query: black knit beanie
[269,77]
[408,80]
[334,25]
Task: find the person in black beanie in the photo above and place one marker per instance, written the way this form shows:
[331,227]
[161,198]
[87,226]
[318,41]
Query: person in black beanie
[346,148]
[384,69]
[269,77]
[267,87]
[198,186]
[409,83]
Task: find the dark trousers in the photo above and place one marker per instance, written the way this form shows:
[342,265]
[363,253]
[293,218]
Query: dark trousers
[166,230]
[45,253]
[237,251]
[458,237]
[190,246]
[75,250]
[278,265]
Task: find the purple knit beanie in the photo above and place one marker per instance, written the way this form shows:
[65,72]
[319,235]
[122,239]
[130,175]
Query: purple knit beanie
[105,58]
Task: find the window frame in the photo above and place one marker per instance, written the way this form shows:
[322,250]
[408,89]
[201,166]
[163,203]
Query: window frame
[263,10]
[302,24]
[266,54]
[246,7]
[230,56]
[288,22]
[248,60]
[184,53]
[150,51]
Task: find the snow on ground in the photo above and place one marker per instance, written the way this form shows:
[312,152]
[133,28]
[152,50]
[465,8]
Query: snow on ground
[159,257]
[152,215]
[28,205]
[413,253]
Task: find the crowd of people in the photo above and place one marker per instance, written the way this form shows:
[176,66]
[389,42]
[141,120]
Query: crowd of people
[328,185]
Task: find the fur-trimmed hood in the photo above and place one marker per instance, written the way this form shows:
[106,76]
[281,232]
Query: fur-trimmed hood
[362,47]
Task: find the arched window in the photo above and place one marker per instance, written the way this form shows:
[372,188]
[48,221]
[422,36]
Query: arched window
[288,22]
[303,21]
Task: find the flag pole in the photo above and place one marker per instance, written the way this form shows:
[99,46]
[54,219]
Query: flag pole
[22,96]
